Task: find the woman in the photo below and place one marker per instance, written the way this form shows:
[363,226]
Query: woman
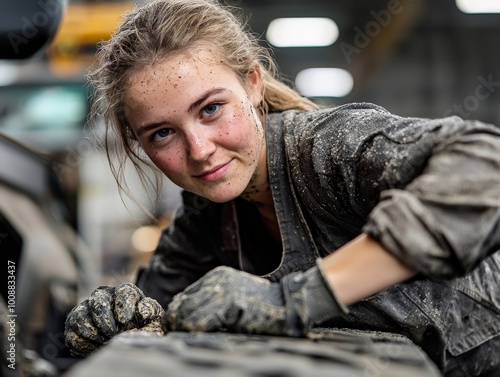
[292,213]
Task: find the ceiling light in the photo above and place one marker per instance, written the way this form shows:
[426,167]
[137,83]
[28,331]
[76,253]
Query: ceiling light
[478,6]
[324,82]
[302,32]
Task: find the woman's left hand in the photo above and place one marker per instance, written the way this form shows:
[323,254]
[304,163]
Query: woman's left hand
[228,299]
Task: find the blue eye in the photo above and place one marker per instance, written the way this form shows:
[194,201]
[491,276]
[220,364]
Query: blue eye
[211,108]
[161,134]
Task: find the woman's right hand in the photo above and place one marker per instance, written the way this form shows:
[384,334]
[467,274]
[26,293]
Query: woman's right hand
[108,311]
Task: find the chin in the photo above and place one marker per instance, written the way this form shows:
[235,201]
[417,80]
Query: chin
[221,197]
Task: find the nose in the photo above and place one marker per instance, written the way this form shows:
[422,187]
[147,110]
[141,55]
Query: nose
[200,145]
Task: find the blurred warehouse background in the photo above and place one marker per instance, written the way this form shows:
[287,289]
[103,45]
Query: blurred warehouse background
[415,57]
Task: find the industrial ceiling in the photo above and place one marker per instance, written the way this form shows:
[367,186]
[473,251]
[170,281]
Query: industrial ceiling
[414,57]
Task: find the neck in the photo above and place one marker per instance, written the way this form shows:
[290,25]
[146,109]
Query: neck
[259,193]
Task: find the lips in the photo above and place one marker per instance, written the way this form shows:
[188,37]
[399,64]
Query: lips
[214,173]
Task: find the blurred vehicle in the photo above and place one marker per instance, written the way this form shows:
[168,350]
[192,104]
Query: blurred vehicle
[47,269]
[53,267]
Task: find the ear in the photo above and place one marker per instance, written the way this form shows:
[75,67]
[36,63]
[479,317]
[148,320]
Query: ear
[254,84]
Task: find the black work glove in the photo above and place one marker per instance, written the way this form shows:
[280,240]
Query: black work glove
[233,300]
[108,311]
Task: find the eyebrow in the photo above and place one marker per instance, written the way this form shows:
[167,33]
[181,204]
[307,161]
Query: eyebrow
[143,129]
[147,127]
[204,96]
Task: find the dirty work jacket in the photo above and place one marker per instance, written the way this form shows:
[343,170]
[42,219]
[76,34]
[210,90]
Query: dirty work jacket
[427,190]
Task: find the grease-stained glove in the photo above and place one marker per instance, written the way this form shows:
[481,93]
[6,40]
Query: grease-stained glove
[228,299]
[108,311]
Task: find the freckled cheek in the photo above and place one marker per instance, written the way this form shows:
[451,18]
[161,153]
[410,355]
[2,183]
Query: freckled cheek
[171,165]
[240,131]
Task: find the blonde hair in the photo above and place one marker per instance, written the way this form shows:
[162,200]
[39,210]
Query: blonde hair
[153,32]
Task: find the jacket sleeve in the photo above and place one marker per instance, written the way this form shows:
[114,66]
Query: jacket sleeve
[184,253]
[427,190]
[447,219]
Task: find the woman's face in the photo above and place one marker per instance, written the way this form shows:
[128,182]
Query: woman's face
[195,121]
